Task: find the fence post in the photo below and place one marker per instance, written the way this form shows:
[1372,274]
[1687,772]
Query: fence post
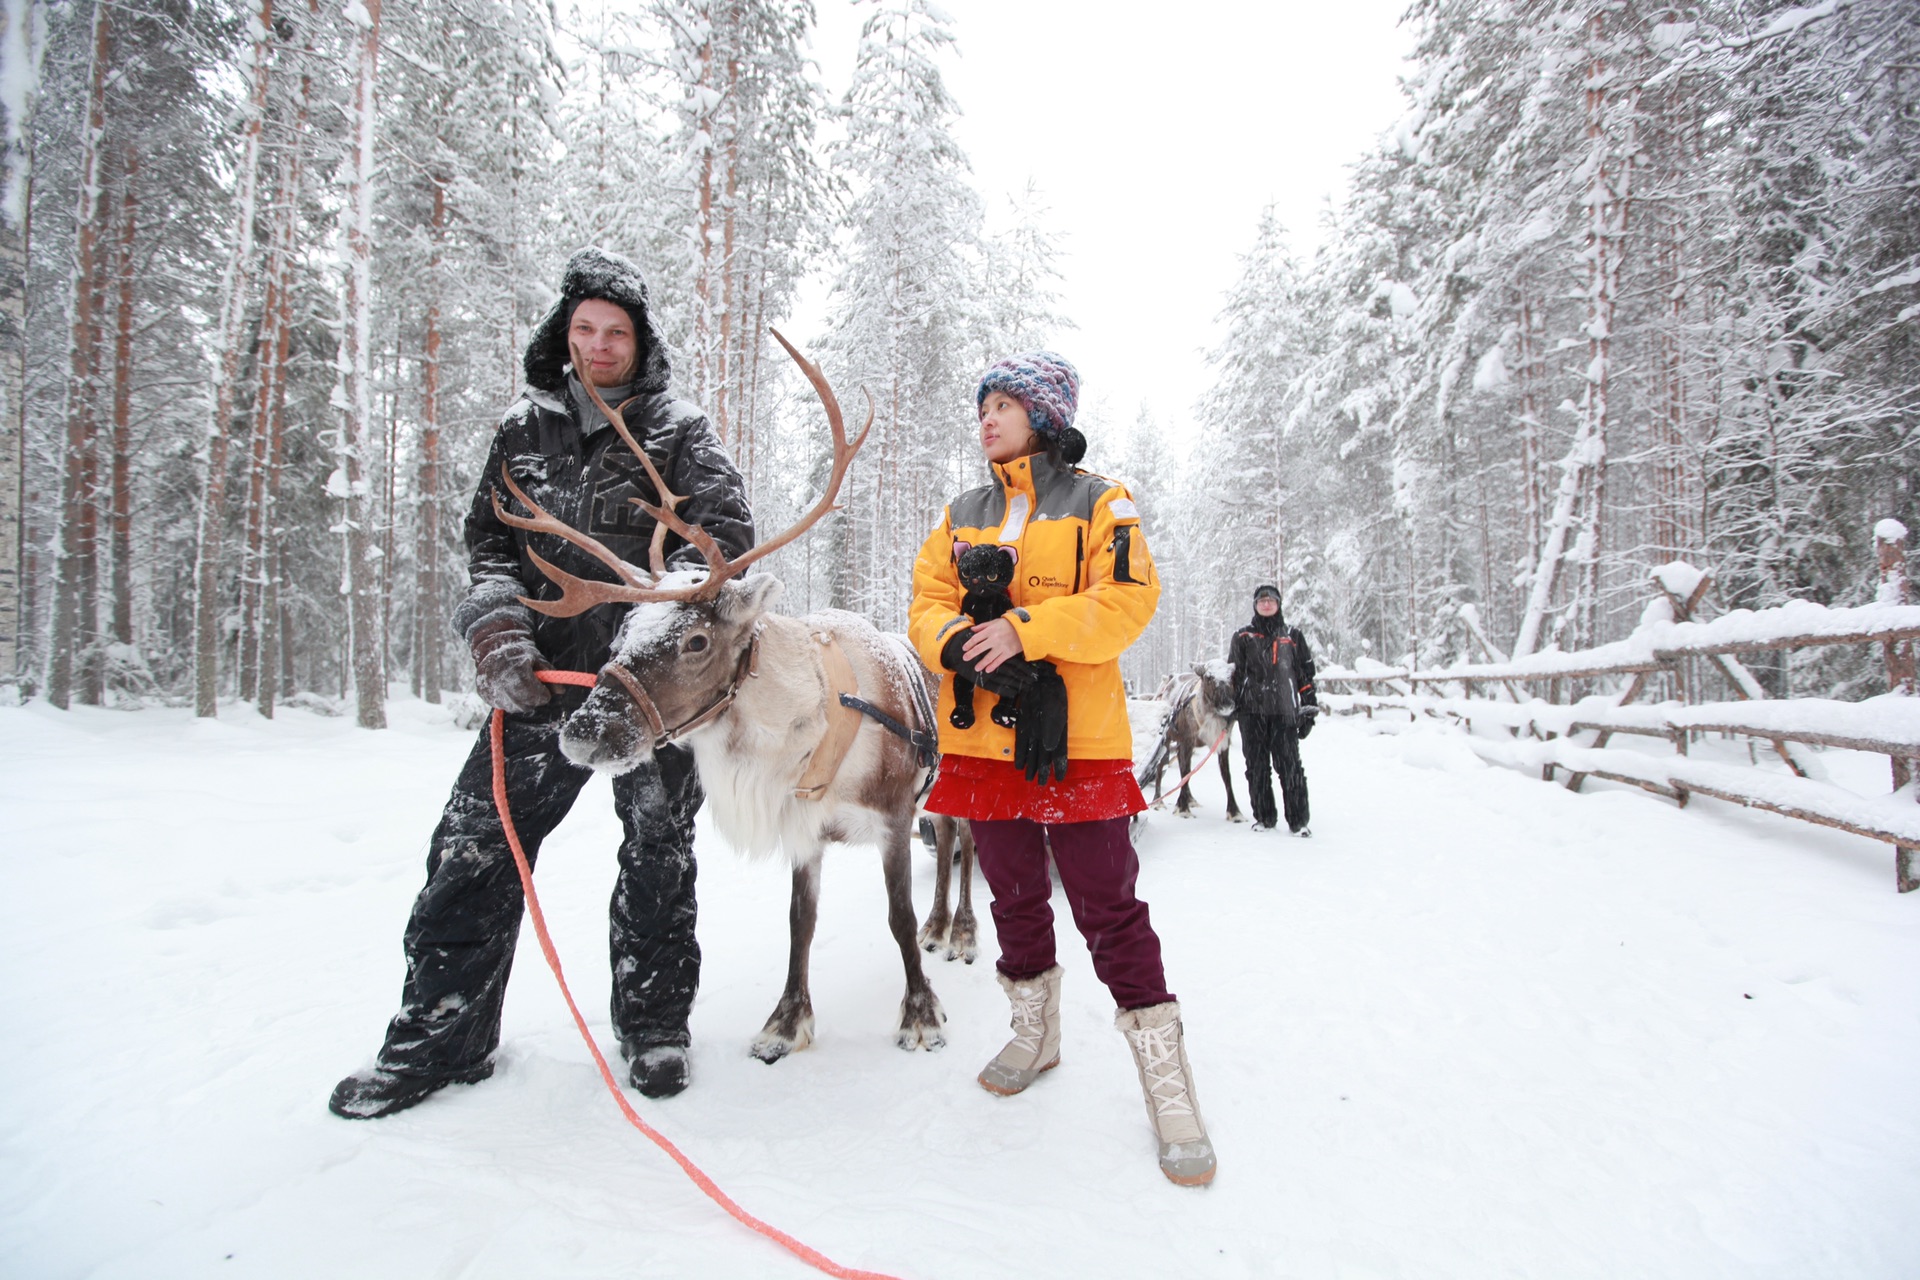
[1890,540]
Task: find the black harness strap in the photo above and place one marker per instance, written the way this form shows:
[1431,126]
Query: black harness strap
[926,745]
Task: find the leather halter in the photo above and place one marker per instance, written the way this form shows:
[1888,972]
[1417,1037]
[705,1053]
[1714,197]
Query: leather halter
[748,667]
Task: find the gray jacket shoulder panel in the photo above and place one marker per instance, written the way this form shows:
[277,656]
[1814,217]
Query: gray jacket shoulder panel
[978,508]
[1071,495]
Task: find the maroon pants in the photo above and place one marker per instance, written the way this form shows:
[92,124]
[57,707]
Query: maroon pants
[1097,869]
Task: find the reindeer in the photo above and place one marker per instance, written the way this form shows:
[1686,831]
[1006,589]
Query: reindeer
[804,730]
[1201,708]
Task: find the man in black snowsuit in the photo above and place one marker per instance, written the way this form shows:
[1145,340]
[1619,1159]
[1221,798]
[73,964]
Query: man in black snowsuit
[566,456]
[1272,683]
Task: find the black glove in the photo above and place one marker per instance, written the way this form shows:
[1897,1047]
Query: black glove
[505,657]
[1010,679]
[1040,736]
[1308,714]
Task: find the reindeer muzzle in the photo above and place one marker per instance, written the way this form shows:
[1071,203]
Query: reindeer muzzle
[615,676]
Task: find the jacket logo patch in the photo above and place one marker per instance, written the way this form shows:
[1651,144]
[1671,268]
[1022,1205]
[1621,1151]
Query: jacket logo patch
[1045,580]
[613,511]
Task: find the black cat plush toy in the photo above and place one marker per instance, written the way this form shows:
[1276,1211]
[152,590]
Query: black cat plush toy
[985,571]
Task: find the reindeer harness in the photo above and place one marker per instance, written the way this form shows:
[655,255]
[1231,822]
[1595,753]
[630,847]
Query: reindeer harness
[844,709]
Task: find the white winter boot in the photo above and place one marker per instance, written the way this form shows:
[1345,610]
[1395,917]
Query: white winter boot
[1035,1046]
[1153,1033]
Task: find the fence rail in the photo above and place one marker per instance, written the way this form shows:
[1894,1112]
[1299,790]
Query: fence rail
[1542,730]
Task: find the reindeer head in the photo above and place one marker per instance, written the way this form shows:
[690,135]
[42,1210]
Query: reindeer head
[674,667]
[678,656]
[1216,685]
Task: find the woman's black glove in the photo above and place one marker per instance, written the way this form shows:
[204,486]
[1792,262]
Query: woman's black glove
[1308,714]
[505,658]
[1010,679]
[1040,736]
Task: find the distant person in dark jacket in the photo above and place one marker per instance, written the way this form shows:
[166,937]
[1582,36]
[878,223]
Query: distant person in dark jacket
[566,456]
[1274,702]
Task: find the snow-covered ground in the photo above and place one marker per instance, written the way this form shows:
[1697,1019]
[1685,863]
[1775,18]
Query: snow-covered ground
[1476,1027]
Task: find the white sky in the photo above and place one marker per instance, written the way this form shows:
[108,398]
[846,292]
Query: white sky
[1157,133]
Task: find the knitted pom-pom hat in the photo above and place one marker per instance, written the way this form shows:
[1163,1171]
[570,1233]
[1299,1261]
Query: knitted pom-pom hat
[1045,384]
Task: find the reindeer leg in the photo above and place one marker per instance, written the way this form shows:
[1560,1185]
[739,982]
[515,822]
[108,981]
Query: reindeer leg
[933,934]
[791,1025]
[920,1012]
[1226,776]
[963,942]
[1184,805]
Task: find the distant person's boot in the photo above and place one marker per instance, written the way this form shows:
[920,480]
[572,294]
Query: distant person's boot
[1035,1046]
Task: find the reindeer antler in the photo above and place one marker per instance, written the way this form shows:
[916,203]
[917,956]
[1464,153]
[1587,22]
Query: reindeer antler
[578,594]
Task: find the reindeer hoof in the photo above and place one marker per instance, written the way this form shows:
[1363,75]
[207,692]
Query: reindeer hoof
[932,939]
[1183,813]
[928,1038]
[773,1043]
[1236,817]
[920,1019]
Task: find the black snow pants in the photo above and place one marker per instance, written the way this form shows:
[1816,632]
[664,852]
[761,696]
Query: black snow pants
[1271,746]
[460,938]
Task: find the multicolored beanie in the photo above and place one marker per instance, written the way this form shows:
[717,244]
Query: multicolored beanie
[1043,382]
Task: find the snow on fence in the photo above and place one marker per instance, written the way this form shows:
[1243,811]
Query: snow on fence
[1543,730]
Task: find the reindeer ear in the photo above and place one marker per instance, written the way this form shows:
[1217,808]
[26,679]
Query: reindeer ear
[749,597]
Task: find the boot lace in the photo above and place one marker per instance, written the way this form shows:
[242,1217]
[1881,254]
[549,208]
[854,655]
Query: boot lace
[1029,1015]
[1166,1083]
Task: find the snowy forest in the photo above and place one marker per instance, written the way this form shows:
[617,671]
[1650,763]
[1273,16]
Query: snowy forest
[1628,283]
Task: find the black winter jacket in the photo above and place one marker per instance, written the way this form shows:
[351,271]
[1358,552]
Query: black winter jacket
[588,480]
[1272,669]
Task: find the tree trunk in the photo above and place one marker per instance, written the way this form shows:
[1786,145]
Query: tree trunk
[428,625]
[19,55]
[73,493]
[120,516]
[354,486]
[233,296]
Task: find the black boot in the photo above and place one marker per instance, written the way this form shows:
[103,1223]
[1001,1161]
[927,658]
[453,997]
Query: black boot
[375,1092]
[656,1070]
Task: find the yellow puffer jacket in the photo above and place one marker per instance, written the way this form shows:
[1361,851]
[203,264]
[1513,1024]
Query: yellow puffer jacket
[1084,588]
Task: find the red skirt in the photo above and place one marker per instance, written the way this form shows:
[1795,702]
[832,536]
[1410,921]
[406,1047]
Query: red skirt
[996,791]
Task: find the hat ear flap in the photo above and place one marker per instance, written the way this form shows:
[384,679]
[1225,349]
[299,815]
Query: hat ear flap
[1073,446]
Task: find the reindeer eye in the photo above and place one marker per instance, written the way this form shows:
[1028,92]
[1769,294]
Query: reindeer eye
[696,643]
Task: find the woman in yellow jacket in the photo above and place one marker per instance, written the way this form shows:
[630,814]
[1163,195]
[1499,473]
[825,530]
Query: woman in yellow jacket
[1059,779]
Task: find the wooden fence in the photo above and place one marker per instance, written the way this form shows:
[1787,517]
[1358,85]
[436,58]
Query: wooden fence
[1547,732]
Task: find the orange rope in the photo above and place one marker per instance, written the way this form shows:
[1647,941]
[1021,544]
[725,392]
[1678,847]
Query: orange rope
[806,1253]
[1211,751]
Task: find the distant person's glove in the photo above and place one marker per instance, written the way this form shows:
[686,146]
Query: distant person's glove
[1040,737]
[1308,714]
[505,658]
[1010,679]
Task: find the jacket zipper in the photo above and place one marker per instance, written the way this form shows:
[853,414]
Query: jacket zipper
[1079,552]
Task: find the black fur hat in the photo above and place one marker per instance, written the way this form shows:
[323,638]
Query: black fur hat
[595,273]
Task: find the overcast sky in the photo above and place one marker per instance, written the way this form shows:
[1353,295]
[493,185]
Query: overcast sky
[1157,133]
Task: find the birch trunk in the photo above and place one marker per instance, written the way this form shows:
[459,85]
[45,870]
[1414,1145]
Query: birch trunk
[427,622]
[354,487]
[19,55]
[233,295]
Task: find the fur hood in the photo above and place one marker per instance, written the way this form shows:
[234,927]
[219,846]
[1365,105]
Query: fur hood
[595,273]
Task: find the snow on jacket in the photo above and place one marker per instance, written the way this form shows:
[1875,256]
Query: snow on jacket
[1268,655]
[588,478]
[1084,588]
